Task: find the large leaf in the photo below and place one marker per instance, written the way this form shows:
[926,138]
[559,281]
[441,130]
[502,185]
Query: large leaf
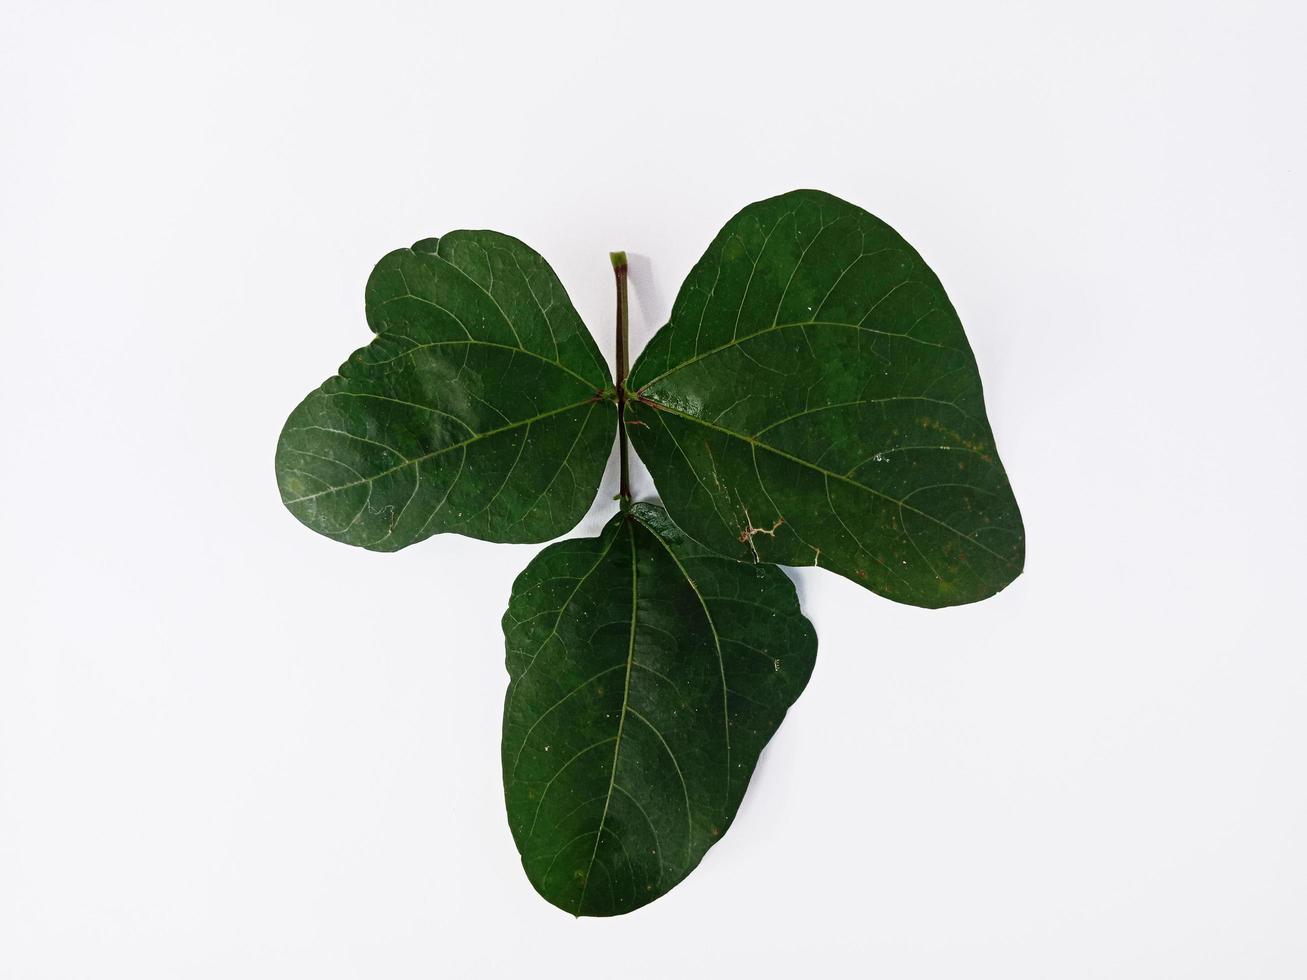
[647,675]
[813,401]
[481,406]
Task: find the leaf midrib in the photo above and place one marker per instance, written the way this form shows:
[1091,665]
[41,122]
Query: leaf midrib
[621,717]
[829,474]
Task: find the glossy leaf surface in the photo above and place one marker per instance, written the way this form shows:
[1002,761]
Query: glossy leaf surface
[813,400]
[478,407]
[646,676]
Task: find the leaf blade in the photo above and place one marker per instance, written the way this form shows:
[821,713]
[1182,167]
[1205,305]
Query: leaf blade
[479,407]
[628,747]
[813,400]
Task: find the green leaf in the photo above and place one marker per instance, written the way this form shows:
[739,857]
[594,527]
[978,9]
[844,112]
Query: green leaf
[813,401]
[647,675]
[482,406]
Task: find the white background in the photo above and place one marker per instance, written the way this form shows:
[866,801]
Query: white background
[231,748]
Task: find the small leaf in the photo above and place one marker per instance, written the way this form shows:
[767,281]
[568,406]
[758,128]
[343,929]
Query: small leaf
[813,401]
[647,675]
[480,407]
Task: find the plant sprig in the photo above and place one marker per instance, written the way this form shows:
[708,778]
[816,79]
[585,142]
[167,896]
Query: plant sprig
[812,400]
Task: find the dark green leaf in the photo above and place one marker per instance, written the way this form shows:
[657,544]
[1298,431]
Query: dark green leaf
[480,407]
[647,675]
[813,401]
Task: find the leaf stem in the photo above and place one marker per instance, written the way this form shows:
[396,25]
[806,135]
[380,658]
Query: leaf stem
[623,366]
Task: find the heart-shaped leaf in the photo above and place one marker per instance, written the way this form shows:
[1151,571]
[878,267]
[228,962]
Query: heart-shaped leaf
[813,401]
[482,406]
[647,675]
